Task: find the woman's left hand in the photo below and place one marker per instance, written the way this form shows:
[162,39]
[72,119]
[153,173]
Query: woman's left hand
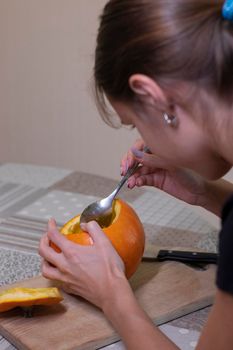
[92,272]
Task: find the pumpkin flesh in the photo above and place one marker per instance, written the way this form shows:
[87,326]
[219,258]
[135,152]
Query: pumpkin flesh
[25,297]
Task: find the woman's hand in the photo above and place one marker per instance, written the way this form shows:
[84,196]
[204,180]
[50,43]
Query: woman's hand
[180,183]
[92,272]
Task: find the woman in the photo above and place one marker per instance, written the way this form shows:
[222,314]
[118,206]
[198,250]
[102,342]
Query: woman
[166,67]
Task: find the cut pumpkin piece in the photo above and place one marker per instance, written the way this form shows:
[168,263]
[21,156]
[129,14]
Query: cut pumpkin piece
[26,297]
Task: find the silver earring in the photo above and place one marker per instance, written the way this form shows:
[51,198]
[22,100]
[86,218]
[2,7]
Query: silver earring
[170,120]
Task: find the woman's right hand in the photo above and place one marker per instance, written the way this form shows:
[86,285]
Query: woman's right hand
[180,183]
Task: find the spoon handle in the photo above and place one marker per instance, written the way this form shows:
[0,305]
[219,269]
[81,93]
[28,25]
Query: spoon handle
[129,173]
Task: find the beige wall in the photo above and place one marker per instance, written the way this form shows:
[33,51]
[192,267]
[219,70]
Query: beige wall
[48,115]
[47,112]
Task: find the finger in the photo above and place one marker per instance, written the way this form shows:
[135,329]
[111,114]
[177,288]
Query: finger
[128,160]
[57,238]
[125,163]
[138,154]
[151,160]
[66,289]
[139,145]
[44,240]
[145,180]
[131,183]
[156,179]
[50,272]
[96,233]
[48,253]
[52,225]
[141,171]
[44,243]
[134,179]
[60,240]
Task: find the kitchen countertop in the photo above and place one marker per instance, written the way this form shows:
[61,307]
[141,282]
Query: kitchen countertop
[30,195]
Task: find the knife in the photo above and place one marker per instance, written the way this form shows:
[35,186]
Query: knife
[183,256]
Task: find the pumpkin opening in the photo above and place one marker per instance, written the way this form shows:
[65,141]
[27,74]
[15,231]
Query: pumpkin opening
[75,227]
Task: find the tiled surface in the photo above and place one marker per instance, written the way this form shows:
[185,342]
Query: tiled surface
[21,235]
[177,226]
[32,175]
[160,209]
[174,238]
[14,196]
[169,223]
[57,204]
[30,195]
[95,185]
[5,345]
[16,266]
[182,337]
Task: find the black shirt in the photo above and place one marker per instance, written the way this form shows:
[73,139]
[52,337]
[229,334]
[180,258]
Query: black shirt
[225,262]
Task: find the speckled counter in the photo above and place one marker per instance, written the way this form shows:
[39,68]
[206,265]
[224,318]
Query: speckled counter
[30,195]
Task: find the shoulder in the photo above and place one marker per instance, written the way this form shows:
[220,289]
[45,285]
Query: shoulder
[227,211]
[225,264]
[217,333]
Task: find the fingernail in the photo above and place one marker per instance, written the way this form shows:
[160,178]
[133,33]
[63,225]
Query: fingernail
[52,223]
[83,226]
[121,170]
[127,165]
[137,153]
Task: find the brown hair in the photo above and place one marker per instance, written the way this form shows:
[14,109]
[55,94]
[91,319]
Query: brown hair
[168,40]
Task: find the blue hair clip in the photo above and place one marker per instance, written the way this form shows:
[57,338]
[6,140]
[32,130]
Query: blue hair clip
[227,10]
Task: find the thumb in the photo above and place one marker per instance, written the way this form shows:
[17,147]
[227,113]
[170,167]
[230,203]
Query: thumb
[97,234]
[141,156]
[52,225]
[151,160]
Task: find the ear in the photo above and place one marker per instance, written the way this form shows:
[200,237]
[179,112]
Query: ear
[142,85]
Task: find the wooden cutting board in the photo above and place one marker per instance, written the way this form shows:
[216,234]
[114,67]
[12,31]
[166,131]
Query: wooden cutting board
[165,291]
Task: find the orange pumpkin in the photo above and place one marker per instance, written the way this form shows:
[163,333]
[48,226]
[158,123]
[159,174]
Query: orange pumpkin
[125,232]
[26,297]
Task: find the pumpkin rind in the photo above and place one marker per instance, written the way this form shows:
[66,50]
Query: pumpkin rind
[25,297]
[125,232]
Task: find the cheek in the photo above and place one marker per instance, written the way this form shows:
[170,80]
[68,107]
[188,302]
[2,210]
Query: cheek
[167,144]
[186,149]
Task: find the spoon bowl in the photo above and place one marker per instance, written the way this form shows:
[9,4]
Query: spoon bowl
[102,210]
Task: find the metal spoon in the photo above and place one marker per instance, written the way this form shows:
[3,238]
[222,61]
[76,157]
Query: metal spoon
[101,211]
